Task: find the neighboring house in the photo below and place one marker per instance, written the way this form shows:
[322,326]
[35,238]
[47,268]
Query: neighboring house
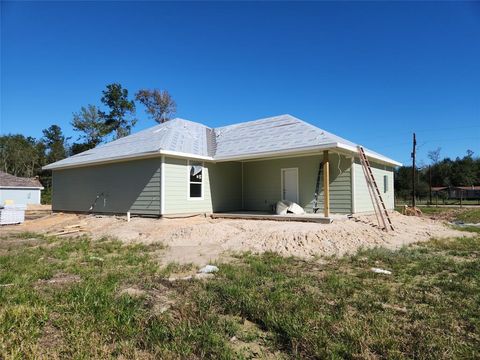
[459,192]
[18,190]
[183,167]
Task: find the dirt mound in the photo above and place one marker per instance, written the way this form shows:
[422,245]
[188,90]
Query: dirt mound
[200,240]
[306,239]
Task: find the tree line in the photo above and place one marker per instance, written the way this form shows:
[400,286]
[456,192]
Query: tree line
[24,156]
[446,172]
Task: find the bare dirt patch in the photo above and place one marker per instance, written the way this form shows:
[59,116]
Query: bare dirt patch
[251,342]
[133,292]
[59,280]
[50,340]
[159,299]
[200,240]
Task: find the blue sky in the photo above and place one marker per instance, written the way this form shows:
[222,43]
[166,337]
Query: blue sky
[371,72]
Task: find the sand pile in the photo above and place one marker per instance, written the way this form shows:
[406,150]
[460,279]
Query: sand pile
[306,239]
[201,239]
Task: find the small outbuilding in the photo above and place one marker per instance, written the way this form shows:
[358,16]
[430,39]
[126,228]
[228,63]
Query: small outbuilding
[19,190]
[184,167]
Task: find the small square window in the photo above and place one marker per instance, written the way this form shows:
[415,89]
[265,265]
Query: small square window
[195,190]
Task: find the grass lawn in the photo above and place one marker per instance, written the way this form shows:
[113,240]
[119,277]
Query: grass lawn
[470,216]
[75,298]
[466,215]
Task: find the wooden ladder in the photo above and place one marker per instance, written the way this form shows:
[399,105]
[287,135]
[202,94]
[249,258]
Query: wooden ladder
[377,200]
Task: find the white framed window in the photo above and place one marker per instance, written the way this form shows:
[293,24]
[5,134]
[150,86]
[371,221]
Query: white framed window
[385,183]
[195,180]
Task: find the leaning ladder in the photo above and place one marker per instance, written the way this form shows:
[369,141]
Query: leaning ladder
[377,200]
[317,188]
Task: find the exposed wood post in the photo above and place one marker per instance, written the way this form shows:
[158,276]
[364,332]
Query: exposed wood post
[326,185]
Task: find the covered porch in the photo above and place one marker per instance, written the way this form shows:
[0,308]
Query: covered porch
[320,182]
[263,215]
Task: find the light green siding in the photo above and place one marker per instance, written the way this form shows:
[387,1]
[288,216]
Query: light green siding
[226,186]
[262,182]
[135,186]
[221,187]
[363,202]
[120,187]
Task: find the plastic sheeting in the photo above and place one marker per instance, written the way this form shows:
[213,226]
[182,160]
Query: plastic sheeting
[196,169]
[288,207]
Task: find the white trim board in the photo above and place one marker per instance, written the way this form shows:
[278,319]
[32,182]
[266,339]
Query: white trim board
[272,154]
[116,159]
[352,173]
[162,185]
[22,187]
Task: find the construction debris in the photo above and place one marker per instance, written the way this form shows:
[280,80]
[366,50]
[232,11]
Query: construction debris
[12,214]
[96,258]
[65,232]
[381,271]
[200,276]
[69,229]
[288,207]
[208,269]
[73,226]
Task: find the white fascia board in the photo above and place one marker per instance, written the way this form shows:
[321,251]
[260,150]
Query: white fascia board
[102,161]
[277,153]
[259,155]
[382,159]
[22,187]
[127,158]
[185,155]
[306,150]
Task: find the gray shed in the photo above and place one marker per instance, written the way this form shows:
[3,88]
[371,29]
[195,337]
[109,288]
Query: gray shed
[19,190]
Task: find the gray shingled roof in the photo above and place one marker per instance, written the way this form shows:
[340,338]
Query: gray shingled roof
[283,133]
[277,133]
[8,180]
[176,135]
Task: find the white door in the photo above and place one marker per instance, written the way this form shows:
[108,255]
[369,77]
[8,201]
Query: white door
[290,184]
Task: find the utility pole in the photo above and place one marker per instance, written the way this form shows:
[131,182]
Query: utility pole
[430,182]
[413,170]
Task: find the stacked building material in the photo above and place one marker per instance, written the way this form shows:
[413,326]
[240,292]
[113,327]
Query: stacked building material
[12,214]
